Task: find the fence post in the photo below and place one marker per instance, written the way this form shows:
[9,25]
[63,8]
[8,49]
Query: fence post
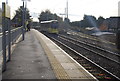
[9,39]
[3,37]
[6,27]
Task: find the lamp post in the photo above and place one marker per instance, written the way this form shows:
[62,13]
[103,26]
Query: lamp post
[24,17]
[25,7]
[6,1]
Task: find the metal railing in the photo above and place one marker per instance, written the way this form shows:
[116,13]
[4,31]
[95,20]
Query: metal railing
[10,39]
[15,33]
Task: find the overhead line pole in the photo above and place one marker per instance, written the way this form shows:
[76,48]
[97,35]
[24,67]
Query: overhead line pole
[67,9]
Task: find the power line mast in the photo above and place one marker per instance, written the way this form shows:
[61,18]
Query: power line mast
[67,9]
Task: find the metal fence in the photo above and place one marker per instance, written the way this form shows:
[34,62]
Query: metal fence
[8,36]
[10,39]
[15,33]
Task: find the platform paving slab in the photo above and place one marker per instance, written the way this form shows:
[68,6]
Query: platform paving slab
[29,61]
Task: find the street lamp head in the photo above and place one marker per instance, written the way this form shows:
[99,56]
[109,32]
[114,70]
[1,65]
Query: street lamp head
[25,0]
[6,1]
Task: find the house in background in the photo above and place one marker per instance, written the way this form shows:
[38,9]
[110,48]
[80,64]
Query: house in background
[110,24]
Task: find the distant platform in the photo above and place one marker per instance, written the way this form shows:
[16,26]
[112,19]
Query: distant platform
[102,33]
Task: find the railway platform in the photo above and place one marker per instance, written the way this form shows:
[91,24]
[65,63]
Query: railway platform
[37,57]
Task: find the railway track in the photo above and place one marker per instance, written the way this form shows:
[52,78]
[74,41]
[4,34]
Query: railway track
[99,56]
[96,41]
[100,51]
[100,70]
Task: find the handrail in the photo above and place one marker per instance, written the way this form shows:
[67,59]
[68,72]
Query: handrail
[11,30]
[16,29]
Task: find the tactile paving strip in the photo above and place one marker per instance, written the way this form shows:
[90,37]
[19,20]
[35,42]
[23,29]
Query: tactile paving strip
[57,67]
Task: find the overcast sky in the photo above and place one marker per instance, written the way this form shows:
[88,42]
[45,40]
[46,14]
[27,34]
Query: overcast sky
[77,8]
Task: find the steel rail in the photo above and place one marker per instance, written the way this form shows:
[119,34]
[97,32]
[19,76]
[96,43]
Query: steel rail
[93,46]
[86,58]
[95,52]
